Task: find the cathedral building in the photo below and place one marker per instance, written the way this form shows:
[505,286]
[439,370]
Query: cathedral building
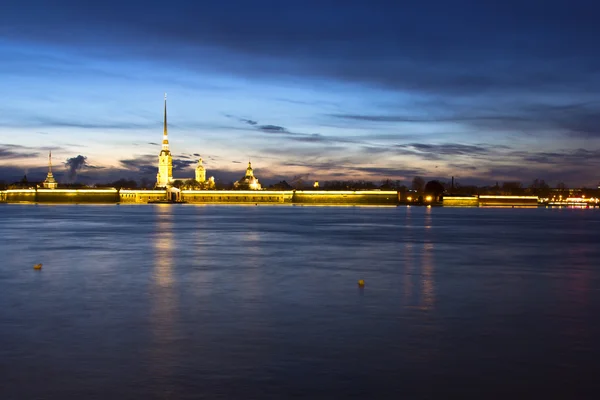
[50,182]
[249,181]
[164,177]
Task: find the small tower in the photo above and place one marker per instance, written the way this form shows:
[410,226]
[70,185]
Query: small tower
[50,182]
[249,181]
[249,172]
[165,161]
[200,172]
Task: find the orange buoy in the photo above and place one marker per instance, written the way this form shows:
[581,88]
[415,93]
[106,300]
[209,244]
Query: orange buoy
[361,283]
[37,266]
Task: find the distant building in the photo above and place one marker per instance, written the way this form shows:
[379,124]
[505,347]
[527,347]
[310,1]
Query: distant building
[249,181]
[165,162]
[164,177]
[50,182]
[200,172]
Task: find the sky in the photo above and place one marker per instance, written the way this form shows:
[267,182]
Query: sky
[311,89]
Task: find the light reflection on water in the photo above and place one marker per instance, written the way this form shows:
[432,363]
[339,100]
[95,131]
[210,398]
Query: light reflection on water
[261,302]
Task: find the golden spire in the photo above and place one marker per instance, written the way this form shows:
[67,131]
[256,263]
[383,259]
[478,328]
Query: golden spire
[165,142]
[50,162]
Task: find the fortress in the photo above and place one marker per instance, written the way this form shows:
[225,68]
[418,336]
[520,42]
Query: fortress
[199,190]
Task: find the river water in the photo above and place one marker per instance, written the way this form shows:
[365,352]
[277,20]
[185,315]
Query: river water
[185,302]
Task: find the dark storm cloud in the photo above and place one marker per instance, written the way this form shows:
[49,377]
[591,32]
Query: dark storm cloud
[76,164]
[13,152]
[577,157]
[445,151]
[572,119]
[144,164]
[182,165]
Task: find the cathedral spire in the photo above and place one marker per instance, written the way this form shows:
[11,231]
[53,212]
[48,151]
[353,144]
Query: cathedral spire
[50,182]
[165,142]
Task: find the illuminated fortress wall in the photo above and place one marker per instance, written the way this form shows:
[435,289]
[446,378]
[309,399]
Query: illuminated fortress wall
[236,196]
[374,197]
[19,195]
[367,197]
[142,196]
[456,201]
[508,201]
[77,196]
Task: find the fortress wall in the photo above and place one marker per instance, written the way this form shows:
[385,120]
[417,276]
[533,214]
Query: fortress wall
[20,195]
[2,196]
[59,196]
[373,197]
[142,196]
[508,201]
[455,201]
[77,195]
[236,196]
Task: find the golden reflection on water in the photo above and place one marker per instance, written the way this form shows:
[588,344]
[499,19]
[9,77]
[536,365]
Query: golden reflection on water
[408,271]
[427,273]
[164,311]
[419,269]
[163,246]
[251,286]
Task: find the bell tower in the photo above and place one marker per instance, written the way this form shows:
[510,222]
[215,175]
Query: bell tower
[165,161]
[200,172]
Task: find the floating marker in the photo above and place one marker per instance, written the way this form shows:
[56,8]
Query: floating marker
[361,283]
[37,266]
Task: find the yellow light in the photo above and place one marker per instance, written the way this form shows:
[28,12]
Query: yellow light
[428,198]
[409,198]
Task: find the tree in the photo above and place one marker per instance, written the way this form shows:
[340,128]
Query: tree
[192,184]
[434,188]
[177,183]
[124,184]
[418,183]
[387,184]
[540,187]
[512,188]
[282,185]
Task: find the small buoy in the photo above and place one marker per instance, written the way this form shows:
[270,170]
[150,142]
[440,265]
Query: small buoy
[37,266]
[361,283]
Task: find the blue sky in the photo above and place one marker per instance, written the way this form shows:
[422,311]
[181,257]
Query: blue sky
[317,89]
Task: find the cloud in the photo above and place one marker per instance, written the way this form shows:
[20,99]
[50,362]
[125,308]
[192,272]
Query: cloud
[9,152]
[182,165]
[75,164]
[145,164]
[272,129]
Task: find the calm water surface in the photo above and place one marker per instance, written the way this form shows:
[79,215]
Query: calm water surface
[183,301]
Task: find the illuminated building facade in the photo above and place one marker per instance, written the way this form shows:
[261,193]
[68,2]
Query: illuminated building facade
[200,172]
[249,181]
